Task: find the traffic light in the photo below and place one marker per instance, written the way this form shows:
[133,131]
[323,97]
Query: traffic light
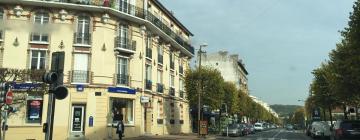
[4,88]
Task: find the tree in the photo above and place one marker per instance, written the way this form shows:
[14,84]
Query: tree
[211,83]
[299,117]
[231,98]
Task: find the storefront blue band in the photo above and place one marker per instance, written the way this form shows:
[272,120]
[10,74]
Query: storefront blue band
[121,90]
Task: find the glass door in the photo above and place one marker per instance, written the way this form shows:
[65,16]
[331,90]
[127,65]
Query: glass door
[77,119]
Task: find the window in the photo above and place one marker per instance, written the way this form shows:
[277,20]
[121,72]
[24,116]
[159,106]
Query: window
[181,85]
[148,84]
[126,6]
[40,19]
[83,30]
[160,54]
[172,64]
[122,71]
[38,59]
[122,107]
[1,13]
[172,82]
[160,76]
[123,36]
[160,114]
[148,47]
[34,105]
[80,72]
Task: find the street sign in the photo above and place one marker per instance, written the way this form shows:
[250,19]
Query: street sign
[9,97]
[316,114]
[144,99]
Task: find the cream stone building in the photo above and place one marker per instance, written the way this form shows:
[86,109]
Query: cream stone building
[121,56]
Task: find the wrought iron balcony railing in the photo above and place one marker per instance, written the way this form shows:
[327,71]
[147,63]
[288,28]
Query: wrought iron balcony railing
[122,79]
[160,88]
[80,76]
[123,43]
[148,84]
[82,38]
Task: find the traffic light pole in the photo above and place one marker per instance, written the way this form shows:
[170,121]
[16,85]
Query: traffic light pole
[50,116]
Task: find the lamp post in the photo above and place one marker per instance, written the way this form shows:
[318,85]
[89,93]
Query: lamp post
[200,52]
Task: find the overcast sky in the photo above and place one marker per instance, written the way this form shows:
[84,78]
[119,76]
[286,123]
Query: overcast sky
[280,41]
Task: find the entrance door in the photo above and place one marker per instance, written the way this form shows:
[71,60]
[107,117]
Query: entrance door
[77,125]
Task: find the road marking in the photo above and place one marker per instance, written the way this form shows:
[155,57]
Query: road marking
[277,134]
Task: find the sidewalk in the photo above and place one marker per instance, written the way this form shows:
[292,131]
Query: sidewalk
[173,137]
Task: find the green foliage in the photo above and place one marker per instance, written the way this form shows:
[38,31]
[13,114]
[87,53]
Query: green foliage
[285,110]
[210,82]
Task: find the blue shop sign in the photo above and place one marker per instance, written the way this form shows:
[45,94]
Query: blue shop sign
[121,90]
[24,86]
[80,88]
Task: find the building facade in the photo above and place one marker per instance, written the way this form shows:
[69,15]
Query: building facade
[121,57]
[230,66]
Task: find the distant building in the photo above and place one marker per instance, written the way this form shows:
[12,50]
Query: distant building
[265,105]
[231,67]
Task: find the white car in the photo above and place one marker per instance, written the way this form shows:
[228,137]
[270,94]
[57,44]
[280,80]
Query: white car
[258,127]
[320,129]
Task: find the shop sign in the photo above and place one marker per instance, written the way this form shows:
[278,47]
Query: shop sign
[79,88]
[121,90]
[24,86]
[203,128]
[144,99]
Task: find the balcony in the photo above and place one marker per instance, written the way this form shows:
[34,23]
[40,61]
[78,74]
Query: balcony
[80,76]
[172,91]
[172,65]
[160,88]
[148,53]
[181,69]
[160,59]
[181,94]
[128,9]
[148,84]
[123,44]
[82,39]
[122,79]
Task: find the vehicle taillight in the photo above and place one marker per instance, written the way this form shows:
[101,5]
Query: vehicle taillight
[339,131]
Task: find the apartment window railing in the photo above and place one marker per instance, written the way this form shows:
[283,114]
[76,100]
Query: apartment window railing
[160,59]
[139,12]
[181,69]
[172,91]
[172,65]
[148,84]
[82,38]
[80,76]
[123,43]
[122,79]
[149,53]
[160,88]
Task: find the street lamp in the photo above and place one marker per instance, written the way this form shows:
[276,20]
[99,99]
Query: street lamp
[200,52]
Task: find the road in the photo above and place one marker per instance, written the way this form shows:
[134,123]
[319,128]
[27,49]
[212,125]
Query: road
[275,134]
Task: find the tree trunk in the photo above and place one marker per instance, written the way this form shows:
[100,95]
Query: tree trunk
[345,113]
[331,119]
[324,112]
[356,113]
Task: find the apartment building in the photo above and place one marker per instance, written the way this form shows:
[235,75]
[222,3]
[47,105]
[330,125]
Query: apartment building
[230,66]
[121,56]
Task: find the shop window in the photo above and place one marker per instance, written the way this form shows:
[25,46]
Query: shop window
[122,108]
[34,106]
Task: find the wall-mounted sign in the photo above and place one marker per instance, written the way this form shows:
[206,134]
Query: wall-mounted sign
[121,90]
[144,99]
[24,86]
[97,93]
[79,88]
[91,121]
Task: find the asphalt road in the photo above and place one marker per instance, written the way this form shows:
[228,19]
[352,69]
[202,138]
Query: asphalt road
[275,134]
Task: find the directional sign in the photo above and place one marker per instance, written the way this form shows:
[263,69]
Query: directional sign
[9,97]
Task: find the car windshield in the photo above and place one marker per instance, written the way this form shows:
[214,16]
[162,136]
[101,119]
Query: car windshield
[232,126]
[257,125]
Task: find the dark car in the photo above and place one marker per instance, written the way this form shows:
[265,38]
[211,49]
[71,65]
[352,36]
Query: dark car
[251,128]
[346,130]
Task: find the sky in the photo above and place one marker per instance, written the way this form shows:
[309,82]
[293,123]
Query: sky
[280,41]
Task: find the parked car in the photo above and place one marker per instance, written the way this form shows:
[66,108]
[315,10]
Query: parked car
[320,129]
[234,130]
[246,130]
[251,128]
[289,127]
[346,130]
[258,127]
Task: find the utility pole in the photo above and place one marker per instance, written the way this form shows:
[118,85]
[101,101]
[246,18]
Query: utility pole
[200,91]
